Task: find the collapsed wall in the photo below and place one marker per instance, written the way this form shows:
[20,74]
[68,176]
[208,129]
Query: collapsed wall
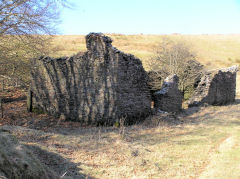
[100,86]
[216,87]
[169,98]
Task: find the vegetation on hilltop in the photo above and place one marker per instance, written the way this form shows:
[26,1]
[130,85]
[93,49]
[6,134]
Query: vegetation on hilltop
[211,50]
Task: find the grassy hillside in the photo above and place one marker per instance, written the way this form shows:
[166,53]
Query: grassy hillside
[212,50]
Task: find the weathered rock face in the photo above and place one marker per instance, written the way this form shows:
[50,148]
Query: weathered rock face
[18,162]
[100,86]
[216,87]
[169,98]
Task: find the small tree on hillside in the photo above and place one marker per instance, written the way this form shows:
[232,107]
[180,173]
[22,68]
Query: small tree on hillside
[175,58]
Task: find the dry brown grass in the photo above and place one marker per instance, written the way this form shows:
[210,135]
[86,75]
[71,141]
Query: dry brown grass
[194,144]
[200,143]
[212,50]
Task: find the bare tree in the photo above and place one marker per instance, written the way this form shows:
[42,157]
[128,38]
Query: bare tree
[175,58]
[28,17]
[25,26]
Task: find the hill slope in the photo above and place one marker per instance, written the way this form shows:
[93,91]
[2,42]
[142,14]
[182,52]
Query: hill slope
[212,50]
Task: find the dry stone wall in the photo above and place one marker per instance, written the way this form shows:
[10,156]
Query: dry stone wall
[98,86]
[216,87]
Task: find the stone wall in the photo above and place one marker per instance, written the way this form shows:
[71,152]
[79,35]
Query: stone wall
[169,98]
[216,87]
[98,86]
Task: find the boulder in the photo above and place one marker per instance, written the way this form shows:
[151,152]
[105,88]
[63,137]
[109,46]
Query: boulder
[16,161]
[99,86]
[216,87]
[169,98]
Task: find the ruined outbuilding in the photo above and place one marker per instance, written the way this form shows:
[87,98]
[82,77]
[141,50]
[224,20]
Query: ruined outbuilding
[169,98]
[216,87]
[99,86]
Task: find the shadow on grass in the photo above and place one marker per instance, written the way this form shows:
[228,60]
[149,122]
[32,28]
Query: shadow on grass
[232,110]
[204,122]
[58,164]
[237,101]
[211,116]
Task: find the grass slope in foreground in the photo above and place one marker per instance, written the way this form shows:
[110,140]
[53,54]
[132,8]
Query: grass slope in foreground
[204,142]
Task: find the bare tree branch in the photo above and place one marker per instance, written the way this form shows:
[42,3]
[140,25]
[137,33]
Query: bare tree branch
[174,58]
[25,28]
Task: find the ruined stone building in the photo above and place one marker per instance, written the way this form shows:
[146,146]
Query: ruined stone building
[104,84]
[99,86]
[216,87]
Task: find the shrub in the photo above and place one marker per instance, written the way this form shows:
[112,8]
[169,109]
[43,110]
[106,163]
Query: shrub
[175,58]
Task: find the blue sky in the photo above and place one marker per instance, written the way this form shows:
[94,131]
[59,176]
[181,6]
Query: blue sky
[151,17]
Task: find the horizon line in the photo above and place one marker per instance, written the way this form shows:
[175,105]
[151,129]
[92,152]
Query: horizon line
[154,34]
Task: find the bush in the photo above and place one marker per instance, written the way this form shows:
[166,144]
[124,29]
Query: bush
[175,58]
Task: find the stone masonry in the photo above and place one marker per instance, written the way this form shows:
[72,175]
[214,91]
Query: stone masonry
[101,85]
[169,98]
[216,87]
